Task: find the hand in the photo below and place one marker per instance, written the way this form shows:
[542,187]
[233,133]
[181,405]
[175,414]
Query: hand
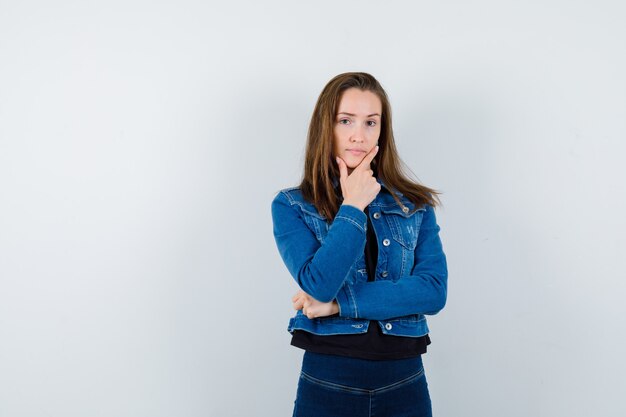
[360,187]
[313,308]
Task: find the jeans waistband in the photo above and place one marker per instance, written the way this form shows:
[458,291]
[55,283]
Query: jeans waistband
[357,372]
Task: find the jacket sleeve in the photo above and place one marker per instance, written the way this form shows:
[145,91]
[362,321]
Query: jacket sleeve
[319,269]
[424,291]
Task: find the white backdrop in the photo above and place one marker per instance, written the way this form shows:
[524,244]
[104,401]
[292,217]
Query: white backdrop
[142,142]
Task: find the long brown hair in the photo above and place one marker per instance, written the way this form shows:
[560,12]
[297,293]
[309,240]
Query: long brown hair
[320,167]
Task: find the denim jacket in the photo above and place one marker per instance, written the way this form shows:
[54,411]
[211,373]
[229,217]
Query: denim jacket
[327,261]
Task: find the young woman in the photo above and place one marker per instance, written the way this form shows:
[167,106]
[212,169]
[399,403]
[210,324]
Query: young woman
[361,240]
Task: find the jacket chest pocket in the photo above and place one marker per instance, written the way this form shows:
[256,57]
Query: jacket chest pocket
[404,229]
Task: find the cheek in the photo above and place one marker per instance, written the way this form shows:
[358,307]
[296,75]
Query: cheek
[338,139]
[376,134]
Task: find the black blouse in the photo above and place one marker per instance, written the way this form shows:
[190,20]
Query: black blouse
[373,344]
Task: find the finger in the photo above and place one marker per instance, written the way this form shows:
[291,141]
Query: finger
[365,163]
[343,168]
[299,294]
[343,174]
[302,299]
[297,305]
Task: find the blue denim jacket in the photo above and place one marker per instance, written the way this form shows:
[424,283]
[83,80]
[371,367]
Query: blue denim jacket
[327,261]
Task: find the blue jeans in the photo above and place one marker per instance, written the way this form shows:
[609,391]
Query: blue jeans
[336,386]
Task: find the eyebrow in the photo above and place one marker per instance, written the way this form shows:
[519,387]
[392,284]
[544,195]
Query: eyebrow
[352,114]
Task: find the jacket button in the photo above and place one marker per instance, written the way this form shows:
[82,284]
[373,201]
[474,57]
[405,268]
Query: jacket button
[384,274]
[405,209]
[386,242]
[388,326]
[377,215]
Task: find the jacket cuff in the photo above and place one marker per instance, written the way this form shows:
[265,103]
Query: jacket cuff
[352,215]
[346,302]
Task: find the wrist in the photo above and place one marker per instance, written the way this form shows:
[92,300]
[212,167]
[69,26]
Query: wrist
[353,204]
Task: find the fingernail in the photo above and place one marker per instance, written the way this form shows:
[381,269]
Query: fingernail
[337,159]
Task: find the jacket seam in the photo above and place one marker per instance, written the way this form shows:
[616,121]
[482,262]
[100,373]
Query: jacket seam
[351,221]
[353,302]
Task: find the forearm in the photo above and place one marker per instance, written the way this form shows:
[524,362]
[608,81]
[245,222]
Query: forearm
[319,269]
[381,300]
[329,267]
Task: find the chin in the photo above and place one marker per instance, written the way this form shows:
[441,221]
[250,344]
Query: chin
[352,160]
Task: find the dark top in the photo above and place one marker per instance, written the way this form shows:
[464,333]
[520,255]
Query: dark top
[370,345]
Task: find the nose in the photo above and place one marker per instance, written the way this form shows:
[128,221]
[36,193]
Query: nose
[357,135]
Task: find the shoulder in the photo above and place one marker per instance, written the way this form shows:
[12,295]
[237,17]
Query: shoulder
[291,199]
[429,219]
[290,194]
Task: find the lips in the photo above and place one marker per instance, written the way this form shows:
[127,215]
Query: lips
[356,151]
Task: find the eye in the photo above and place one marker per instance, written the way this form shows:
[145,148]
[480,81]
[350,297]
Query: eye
[343,121]
[371,123]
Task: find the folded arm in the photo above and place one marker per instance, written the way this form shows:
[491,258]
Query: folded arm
[423,291]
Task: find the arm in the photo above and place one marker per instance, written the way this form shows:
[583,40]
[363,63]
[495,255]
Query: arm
[422,292]
[319,269]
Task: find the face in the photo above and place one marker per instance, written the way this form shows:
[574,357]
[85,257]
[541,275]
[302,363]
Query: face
[357,126]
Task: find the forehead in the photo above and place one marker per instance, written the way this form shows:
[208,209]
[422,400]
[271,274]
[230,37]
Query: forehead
[359,102]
